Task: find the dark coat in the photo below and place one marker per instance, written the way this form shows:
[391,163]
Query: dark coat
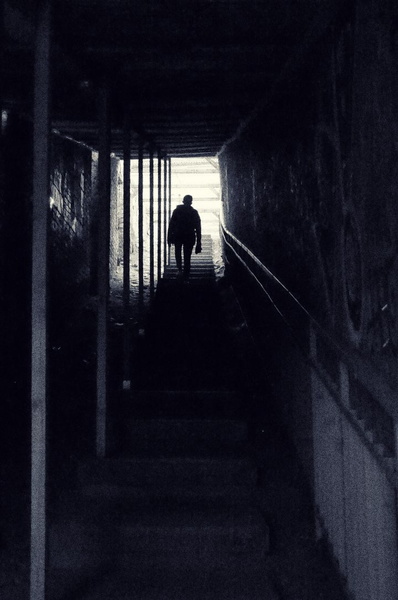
[185,226]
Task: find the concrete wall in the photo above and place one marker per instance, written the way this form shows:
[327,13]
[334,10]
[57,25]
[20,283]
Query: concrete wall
[310,187]
[15,286]
[73,251]
[311,184]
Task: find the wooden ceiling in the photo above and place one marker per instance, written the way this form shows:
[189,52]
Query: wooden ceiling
[185,72]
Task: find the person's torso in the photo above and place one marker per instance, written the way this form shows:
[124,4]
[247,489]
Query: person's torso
[185,221]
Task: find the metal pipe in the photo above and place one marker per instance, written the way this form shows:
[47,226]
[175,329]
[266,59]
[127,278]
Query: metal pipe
[126,251]
[141,226]
[169,200]
[165,221]
[103,267]
[159,263]
[40,201]
[151,225]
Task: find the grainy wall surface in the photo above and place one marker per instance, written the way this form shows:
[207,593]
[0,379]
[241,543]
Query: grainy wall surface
[310,186]
[72,268]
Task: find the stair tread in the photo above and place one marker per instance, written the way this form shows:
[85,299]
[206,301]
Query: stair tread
[229,494]
[158,584]
[164,515]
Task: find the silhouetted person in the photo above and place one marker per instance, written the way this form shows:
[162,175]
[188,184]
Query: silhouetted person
[184,232]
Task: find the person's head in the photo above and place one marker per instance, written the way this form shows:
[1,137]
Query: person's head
[187,200]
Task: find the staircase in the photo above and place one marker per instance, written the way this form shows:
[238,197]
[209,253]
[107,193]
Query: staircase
[173,513]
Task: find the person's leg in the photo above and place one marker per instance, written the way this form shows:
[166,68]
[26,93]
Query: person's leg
[187,259]
[178,255]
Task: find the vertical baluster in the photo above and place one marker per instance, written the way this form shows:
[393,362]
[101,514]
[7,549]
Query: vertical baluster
[103,268]
[141,226]
[126,252]
[355,515]
[165,220]
[316,437]
[340,503]
[169,197]
[362,547]
[388,533]
[159,246]
[350,510]
[151,226]
[345,398]
[372,503]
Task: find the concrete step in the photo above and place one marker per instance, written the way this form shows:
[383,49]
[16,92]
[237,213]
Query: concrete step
[146,447]
[155,583]
[175,471]
[187,430]
[197,265]
[195,273]
[167,537]
[232,495]
[189,403]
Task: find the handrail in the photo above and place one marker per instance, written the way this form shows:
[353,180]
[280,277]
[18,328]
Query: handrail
[378,384]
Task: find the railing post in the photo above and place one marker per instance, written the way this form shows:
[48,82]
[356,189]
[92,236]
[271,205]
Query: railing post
[41,144]
[315,393]
[169,201]
[103,267]
[159,248]
[165,222]
[141,226]
[151,226]
[126,252]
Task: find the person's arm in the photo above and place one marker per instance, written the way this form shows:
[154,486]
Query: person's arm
[171,230]
[198,247]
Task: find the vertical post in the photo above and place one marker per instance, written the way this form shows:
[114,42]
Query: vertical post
[165,220]
[141,226]
[159,215]
[169,200]
[41,143]
[103,267]
[126,251]
[151,226]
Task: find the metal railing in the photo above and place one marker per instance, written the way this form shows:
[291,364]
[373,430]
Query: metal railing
[354,439]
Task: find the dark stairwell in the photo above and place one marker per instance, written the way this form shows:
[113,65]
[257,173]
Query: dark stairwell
[296,103]
[201,496]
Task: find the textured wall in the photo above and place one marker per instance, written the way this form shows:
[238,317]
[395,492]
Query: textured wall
[72,225]
[310,186]
[15,269]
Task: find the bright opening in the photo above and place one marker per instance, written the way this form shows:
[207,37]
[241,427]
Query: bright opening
[198,177]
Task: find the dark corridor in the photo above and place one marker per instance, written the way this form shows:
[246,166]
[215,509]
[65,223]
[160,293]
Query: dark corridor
[246,423]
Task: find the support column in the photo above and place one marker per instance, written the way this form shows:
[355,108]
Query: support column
[103,267]
[141,227]
[151,226]
[165,220]
[169,200]
[40,201]
[159,216]
[126,252]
